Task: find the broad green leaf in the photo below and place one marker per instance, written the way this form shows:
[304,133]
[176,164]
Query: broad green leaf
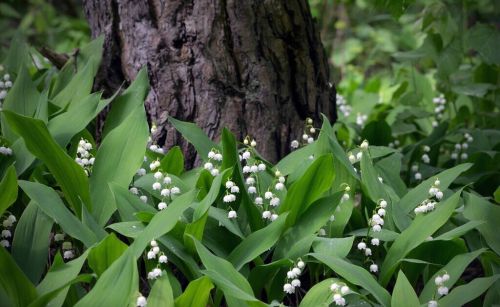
[105,253]
[194,135]
[336,247]
[162,222]
[18,54]
[117,286]
[210,198]
[478,209]
[128,229]
[196,293]
[319,295]
[289,164]
[454,268]
[79,114]
[173,162]
[127,203]
[125,104]
[484,39]
[50,203]
[161,294]
[23,99]
[463,294]
[317,179]
[420,229]
[80,84]
[194,230]
[221,216]
[118,158]
[421,192]
[403,293]
[257,243]
[31,242]
[69,175]
[308,224]
[459,231]
[61,274]
[13,282]
[369,179]
[8,186]
[229,150]
[48,298]
[224,275]
[356,275]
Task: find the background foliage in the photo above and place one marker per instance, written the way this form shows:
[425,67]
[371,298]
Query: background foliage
[393,205]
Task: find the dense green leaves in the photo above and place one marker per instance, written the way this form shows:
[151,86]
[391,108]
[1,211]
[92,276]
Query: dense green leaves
[403,293]
[69,175]
[19,290]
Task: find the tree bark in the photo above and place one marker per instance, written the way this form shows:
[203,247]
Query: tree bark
[254,66]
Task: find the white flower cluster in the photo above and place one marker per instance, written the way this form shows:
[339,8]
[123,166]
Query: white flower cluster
[141,301]
[274,200]
[342,105]
[377,220]
[428,204]
[417,175]
[5,150]
[7,224]
[5,85]
[84,157]
[440,280]
[425,156]
[214,159]
[345,196]
[162,258]
[231,190]
[307,136]
[361,119]
[163,183]
[67,248]
[394,144]
[440,102]
[338,293]
[154,147]
[461,148]
[292,277]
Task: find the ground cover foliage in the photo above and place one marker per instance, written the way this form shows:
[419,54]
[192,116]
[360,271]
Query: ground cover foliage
[395,204]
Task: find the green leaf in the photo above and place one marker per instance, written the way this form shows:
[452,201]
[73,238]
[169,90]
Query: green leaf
[319,295]
[459,231]
[127,203]
[418,194]
[224,275]
[293,160]
[173,162]
[59,275]
[478,209]
[356,275]
[308,224]
[8,186]
[117,286]
[31,242]
[69,175]
[105,253]
[369,179]
[403,293]
[47,299]
[194,135]
[50,203]
[257,243]
[162,222]
[13,282]
[454,268]
[484,39]
[118,158]
[194,230]
[196,293]
[463,294]
[336,247]
[317,180]
[161,294]
[80,84]
[211,197]
[229,150]
[18,54]
[420,229]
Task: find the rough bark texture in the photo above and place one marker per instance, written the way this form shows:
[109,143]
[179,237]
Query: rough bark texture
[254,66]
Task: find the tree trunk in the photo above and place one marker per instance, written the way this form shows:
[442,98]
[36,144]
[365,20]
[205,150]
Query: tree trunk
[254,66]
